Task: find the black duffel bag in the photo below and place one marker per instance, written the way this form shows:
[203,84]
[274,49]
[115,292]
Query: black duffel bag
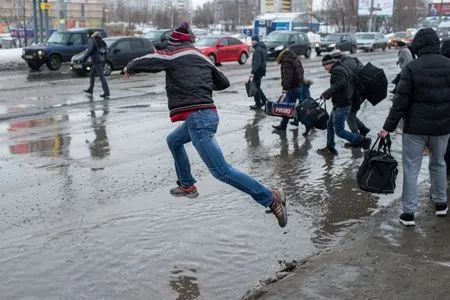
[378,171]
[311,114]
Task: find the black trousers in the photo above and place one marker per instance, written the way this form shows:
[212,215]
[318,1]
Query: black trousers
[97,69]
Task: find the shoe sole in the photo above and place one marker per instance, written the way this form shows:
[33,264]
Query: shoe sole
[283,202]
[190,195]
[442,213]
[407,223]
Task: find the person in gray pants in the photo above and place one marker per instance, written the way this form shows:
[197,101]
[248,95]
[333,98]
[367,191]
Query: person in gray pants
[97,50]
[423,101]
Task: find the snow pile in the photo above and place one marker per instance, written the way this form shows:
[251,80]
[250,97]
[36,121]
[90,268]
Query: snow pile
[11,59]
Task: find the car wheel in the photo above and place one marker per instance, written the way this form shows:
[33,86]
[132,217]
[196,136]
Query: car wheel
[353,50]
[54,62]
[243,58]
[107,69]
[212,57]
[34,66]
[318,52]
[308,53]
[384,47]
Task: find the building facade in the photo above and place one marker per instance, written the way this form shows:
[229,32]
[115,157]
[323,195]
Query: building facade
[76,12]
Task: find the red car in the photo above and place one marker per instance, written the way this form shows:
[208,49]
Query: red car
[223,49]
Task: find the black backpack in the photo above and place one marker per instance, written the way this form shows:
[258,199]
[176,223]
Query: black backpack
[372,83]
[101,46]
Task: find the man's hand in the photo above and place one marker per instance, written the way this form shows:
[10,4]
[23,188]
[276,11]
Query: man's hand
[383,133]
[250,76]
[284,91]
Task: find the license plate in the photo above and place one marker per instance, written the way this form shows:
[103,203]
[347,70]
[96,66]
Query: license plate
[29,56]
[269,52]
[77,66]
[323,48]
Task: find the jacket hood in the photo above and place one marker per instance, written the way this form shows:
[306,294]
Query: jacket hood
[260,45]
[426,41]
[182,45]
[286,55]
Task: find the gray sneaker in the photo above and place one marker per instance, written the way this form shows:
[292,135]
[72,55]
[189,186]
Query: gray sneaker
[179,191]
[278,206]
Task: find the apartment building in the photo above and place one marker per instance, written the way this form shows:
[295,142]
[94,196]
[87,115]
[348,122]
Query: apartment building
[76,12]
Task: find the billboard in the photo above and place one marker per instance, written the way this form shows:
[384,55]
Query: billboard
[438,9]
[380,7]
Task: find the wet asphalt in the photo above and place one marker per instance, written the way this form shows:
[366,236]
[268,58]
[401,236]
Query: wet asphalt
[86,212]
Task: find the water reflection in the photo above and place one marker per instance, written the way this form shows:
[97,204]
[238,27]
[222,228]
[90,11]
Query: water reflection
[99,147]
[252,130]
[186,286]
[56,143]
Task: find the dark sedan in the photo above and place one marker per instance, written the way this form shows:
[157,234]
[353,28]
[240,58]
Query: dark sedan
[121,50]
[298,42]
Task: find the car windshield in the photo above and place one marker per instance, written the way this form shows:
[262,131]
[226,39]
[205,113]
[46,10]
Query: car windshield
[109,42]
[332,38]
[442,29]
[365,36]
[400,35]
[206,42]
[59,38]
[152,35]
[277,38]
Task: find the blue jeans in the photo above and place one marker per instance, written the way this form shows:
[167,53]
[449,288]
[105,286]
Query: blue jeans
[200,128]
[336,123]
[291,97]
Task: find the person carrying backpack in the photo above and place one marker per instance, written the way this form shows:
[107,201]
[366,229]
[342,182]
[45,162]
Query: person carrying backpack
[353,122]
[97,50]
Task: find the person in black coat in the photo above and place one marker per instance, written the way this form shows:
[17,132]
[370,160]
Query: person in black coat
[96,45]
[423,102]
[291,81]
[259,64]
[341,93]
[445,50]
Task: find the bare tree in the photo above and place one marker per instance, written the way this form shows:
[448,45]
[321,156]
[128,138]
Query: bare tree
[204,15]
[342,13]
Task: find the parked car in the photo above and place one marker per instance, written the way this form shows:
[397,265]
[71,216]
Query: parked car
[369,41]
[59,48]
[121,50]
[279,40]
[159,37]
[443,30]
[223,49]
[337,41]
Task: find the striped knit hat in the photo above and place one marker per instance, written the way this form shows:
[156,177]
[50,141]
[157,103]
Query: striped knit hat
[180,34]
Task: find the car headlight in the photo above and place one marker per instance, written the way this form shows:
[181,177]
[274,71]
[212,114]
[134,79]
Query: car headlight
[317,45]
[40,53]
[332,45]
[390,41]
[23,51]
[278,48]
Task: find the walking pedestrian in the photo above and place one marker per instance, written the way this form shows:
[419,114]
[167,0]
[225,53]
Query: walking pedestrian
[423,102]
[404,57]
[97,50]
[259,64]
[353,122]
[341,95]
[190,80]
[291,81]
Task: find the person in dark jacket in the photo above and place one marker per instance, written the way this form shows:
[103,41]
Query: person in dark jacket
[445,50]
[190,80]
[291,81]
[341,93]
[353,122]
[423,102]
[259,64]
[95,44]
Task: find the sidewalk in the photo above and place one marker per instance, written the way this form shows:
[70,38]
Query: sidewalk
[10,59]
[380,259]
